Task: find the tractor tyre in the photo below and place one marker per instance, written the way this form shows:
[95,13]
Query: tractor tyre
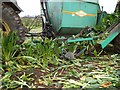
[116,43]
[11,22]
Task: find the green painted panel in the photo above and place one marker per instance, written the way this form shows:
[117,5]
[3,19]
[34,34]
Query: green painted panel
[55,14]
[79,39]
[70,20]
[70,17]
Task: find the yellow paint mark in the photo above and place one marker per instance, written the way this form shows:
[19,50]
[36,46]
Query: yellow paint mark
[78,13]
[7,29]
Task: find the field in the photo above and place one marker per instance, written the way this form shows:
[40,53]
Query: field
[0,45]
[41,63]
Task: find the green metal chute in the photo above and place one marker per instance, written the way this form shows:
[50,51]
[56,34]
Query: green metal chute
[68,18]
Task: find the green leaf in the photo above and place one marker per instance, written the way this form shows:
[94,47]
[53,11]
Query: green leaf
[6,76]
[91,80]
[75,82]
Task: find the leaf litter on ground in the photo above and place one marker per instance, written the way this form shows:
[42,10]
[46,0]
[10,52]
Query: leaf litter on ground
[38,65]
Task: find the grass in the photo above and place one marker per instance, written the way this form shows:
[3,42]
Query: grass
[0,43]
[38,66]
[36,30]
[8,46]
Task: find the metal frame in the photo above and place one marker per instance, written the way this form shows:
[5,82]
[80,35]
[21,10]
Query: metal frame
[114,33]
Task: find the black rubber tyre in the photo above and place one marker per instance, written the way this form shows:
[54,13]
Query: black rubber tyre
[116,43]
[13,21]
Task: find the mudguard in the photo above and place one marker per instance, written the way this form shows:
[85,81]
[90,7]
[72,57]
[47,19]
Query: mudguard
[13,4]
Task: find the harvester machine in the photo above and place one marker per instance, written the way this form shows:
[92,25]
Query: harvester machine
[73,19]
